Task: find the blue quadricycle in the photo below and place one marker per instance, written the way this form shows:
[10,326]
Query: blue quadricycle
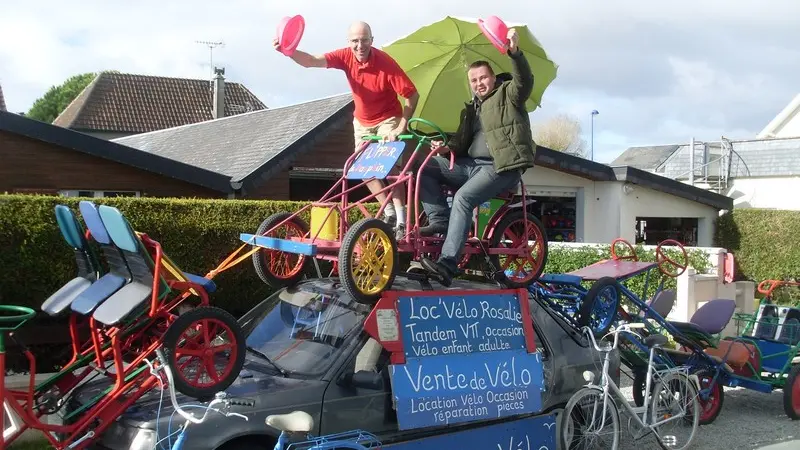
[599,305]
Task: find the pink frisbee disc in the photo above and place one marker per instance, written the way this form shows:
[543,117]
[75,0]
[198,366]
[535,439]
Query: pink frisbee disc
[496,31]
[290,31]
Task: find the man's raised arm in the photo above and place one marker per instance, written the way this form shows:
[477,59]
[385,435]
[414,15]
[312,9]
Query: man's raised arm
[522,82]
[303,58]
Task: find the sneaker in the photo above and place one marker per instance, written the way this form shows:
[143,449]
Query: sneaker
[390,220]
[434,228]
[400,232]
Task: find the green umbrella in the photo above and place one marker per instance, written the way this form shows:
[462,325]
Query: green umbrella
[436,58]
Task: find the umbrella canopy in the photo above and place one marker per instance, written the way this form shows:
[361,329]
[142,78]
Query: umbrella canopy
[436,58]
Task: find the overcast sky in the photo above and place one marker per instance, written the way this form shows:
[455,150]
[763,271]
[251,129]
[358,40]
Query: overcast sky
[658,72]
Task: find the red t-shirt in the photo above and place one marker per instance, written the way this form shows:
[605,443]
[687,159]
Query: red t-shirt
[375,83]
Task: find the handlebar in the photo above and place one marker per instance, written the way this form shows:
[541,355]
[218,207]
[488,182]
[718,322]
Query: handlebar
[767,287]
[624,328]
[221,398]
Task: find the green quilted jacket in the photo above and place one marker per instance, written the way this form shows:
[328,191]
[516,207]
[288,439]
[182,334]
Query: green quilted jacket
[504,120]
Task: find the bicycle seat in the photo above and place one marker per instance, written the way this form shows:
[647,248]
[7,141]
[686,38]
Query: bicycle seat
[294,422]
[656,340]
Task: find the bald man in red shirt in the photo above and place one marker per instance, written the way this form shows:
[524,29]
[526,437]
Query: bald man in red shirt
[376,81]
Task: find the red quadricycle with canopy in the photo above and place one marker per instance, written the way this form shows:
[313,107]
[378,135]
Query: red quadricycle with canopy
[119,313]
[366,253]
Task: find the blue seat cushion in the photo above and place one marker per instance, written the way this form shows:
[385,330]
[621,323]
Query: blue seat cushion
[62,298]
[97,293]
[207,284]
[123,302]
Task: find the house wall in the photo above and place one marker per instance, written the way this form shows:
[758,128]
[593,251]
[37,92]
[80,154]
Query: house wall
[30,165]
[606,211]
[330,151]
[640,201]
[766,192]
[791,128]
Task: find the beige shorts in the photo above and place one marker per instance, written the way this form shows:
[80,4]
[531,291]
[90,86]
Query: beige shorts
[381,129]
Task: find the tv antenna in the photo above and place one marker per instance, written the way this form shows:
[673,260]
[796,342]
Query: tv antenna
[211,46]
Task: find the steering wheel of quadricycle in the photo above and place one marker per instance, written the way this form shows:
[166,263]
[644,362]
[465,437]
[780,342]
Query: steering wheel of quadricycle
[422,136]
[633,256]
[767,286]
[662,258]
[13,317]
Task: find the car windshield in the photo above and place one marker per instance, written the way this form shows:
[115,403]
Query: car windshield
[303,329]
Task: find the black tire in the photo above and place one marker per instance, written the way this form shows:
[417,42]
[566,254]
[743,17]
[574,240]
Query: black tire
[497,235]
[587,305]
[177,329]
[789,398]
[346,264]
[261,266]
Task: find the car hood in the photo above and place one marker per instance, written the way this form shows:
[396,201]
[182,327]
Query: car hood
[250,384]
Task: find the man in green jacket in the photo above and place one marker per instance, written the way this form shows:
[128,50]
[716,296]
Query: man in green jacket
[493,147]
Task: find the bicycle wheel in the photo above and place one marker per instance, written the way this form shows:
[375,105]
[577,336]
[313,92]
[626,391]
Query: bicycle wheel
[589,423]
[674,401]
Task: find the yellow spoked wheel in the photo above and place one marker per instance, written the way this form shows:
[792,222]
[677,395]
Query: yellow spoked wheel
[367,260]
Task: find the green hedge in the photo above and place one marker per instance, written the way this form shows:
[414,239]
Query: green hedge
[766,246]
[765,243]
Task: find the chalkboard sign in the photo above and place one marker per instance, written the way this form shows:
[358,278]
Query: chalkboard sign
[376,160]
[444,390]
[530,433]
[470,323]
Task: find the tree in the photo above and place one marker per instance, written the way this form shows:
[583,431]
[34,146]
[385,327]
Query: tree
[562,133]
[57,98]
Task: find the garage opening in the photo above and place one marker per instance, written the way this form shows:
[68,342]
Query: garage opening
[557,211]
[652,230]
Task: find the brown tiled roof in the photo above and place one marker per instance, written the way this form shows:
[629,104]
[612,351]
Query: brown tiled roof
[141,103]
[2,100]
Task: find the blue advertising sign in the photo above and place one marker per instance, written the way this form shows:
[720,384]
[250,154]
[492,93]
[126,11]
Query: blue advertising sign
[530,433]
[446,325]
[448,389]
[376,160]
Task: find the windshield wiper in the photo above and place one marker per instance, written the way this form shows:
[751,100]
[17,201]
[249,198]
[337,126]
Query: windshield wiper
[266,358]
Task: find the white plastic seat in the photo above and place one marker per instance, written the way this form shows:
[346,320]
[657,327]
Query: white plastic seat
[294,422]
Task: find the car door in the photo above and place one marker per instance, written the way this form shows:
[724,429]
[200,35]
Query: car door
[359,396]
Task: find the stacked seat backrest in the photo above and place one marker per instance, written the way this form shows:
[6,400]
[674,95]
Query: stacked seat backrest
[73,232]
[125,238]
[713,316]
[113,256]
[663,302]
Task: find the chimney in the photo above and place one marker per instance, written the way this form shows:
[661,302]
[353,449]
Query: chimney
[218,92]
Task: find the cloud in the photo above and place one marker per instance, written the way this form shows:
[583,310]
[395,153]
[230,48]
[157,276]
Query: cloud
[657,72]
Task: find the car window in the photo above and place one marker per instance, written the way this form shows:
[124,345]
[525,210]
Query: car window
[304,331]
